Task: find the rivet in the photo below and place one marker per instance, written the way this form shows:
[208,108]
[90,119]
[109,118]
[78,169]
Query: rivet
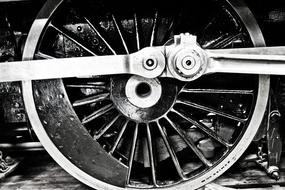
[49,98]
[79,28]
[150,63]
[40,108]
[95,41]
[37,93]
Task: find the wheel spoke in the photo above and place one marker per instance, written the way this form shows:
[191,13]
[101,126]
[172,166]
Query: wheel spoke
[171,27]
[119,137]
[211,110]
[106,127]
[151,156]
[132,153]
[220,40]
[97,113]
[153,29]
[120,34]
[204,128]
[90,100]
[189,142]
[72,39]
[97,83]
[170,150]
[92,86]
[100,36]
[217,91]
[223,41]
[137,31]
[40,55]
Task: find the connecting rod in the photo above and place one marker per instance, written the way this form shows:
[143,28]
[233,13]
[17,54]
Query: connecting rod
[184,60]
[148,62]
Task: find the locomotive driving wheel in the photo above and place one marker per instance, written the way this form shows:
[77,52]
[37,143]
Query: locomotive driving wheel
[127,131]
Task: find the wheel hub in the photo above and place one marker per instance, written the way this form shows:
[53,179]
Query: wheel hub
[142,99]
[143,92]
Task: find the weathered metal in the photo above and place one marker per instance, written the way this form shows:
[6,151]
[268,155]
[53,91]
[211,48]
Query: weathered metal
[132,135]
[153,131]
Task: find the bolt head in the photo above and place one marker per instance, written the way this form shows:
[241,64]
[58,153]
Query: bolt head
[79,28]
[188,62]
[150,63]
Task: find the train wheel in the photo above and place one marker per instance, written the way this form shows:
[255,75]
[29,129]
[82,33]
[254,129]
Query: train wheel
[125,132]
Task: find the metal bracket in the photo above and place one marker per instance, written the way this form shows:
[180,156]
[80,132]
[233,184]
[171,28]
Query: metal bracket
[7,165]
[274,142]
[269,139]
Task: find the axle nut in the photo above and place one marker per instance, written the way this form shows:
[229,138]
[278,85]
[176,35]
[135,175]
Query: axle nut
[187,63]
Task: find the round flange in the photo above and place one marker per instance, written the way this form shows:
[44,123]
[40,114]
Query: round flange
[143,92]
[143,105]
[187,62]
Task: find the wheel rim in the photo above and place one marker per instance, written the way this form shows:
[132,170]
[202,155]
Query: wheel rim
[146,132]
